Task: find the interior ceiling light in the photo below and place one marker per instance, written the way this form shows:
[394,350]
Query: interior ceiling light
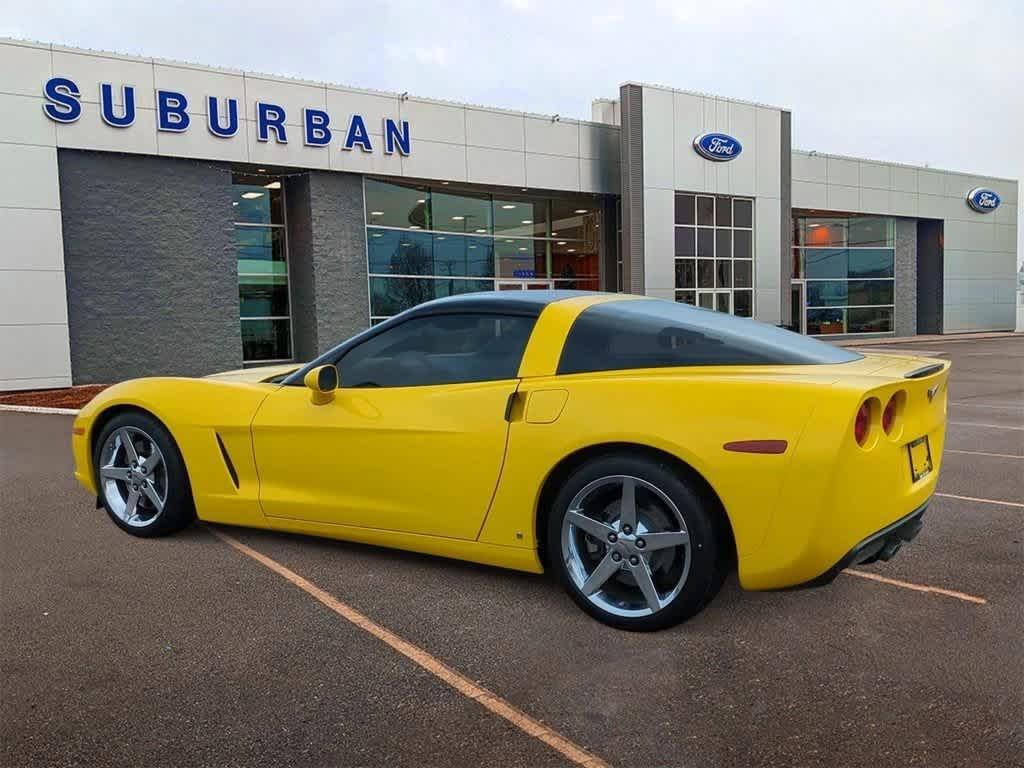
[581,210]
[527,221]
[554,234]
[234,202]
[522,249]
[572,250]
[561,242]
[376,213]
[377,234]
[510,241]
[272,185]
[252,195]
[414,226]
[261,170]
[422,200]
[458,218]
[481,230]
[508,206]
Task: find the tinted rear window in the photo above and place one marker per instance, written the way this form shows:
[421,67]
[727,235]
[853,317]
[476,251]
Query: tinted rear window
[656,334]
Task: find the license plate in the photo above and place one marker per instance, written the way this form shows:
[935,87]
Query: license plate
[920,458]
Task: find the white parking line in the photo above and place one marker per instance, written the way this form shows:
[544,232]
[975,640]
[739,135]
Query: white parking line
[986,453]
[985,426]
[1015,406]
[39,409]
[981,501]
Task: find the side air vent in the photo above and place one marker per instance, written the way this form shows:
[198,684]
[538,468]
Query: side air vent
[227,460]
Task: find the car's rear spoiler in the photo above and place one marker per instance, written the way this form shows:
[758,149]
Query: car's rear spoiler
[922,372]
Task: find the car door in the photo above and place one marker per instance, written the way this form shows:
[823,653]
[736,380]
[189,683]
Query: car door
[414,438]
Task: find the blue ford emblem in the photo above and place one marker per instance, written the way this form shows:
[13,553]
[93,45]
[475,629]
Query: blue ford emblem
[983,200]
[717,146]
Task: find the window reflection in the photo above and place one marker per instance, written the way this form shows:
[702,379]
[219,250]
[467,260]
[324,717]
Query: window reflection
[475,240]
[848,264]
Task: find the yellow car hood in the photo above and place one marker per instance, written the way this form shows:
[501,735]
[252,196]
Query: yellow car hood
[257,374]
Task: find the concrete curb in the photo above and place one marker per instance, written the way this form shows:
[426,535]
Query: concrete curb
[39,409]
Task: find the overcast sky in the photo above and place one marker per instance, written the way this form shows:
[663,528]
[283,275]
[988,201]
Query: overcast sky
[937,82]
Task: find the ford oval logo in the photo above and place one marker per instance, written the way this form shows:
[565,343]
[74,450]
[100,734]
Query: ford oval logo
[983,200]
[717,146]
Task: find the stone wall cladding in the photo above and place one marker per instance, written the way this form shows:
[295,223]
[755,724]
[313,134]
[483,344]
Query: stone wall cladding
[150,265]
[338,256]
[906,277]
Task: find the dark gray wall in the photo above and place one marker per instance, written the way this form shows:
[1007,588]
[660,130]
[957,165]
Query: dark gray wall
[929,276]
[631,151]
[905,269]
[327,253]
[786,210]
[150,266]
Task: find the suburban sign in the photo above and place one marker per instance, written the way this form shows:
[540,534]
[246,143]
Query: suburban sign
[983,200]
[63,105]
[717,146]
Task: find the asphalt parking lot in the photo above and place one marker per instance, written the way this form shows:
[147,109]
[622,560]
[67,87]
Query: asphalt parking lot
[184,651]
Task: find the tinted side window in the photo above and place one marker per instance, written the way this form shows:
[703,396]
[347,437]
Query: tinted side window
[657,334]
[439,349]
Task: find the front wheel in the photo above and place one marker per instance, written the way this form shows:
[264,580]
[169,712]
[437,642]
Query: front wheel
[141,476]
[634,543]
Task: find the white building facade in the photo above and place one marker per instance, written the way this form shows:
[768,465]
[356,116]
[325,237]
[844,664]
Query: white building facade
[170,218]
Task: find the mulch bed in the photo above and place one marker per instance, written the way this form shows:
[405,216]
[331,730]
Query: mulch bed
[72,397]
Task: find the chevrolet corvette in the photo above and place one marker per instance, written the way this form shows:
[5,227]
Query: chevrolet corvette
[640,449]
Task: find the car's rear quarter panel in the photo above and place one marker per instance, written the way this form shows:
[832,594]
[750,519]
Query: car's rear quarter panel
[687,413]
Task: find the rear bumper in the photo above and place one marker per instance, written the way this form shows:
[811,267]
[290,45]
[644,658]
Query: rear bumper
[881,545]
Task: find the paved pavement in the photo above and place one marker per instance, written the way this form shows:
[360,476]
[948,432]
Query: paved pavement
[118,651]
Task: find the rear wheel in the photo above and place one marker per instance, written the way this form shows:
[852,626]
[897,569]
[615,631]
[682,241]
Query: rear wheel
[141,476]
[634,543]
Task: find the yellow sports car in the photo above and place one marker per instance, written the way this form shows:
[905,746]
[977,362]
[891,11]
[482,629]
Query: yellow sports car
[638,448]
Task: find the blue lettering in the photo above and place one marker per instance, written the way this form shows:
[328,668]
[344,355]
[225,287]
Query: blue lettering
[394,137]
[62,100]
[107,106]
[317,133]
[270,116]
[170,111]
[213,118]
[357,134]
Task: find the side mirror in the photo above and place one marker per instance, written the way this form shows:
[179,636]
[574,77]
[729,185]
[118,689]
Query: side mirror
[322,381]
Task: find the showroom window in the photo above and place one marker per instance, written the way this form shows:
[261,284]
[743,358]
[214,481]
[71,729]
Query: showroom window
[714,252]
[845,264]
[429,241]
[264,302]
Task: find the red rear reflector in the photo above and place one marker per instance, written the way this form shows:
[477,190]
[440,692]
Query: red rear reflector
[757,446]
[861,424]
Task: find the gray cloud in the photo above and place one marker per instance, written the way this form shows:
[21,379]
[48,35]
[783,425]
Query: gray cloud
[934,82]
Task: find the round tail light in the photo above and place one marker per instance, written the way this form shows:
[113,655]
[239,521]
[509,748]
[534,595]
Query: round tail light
[889,415]
[862,424]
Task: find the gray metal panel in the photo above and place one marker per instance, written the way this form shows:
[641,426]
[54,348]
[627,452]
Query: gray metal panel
[150,263]
[905,321]
[786,212]
[632,169]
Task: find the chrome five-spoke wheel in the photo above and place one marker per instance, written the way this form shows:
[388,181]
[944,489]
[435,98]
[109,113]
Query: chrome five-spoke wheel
[133,476]
[625,546]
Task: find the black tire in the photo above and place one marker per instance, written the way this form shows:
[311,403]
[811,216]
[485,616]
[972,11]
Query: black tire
[178,509]
[708,563]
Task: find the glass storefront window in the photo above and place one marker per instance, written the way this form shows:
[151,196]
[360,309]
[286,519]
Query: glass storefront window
[429,241]
[847,264]
[714,250]
[262,257]
[389,205]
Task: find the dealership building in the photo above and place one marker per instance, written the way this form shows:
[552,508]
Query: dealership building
[161,217]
